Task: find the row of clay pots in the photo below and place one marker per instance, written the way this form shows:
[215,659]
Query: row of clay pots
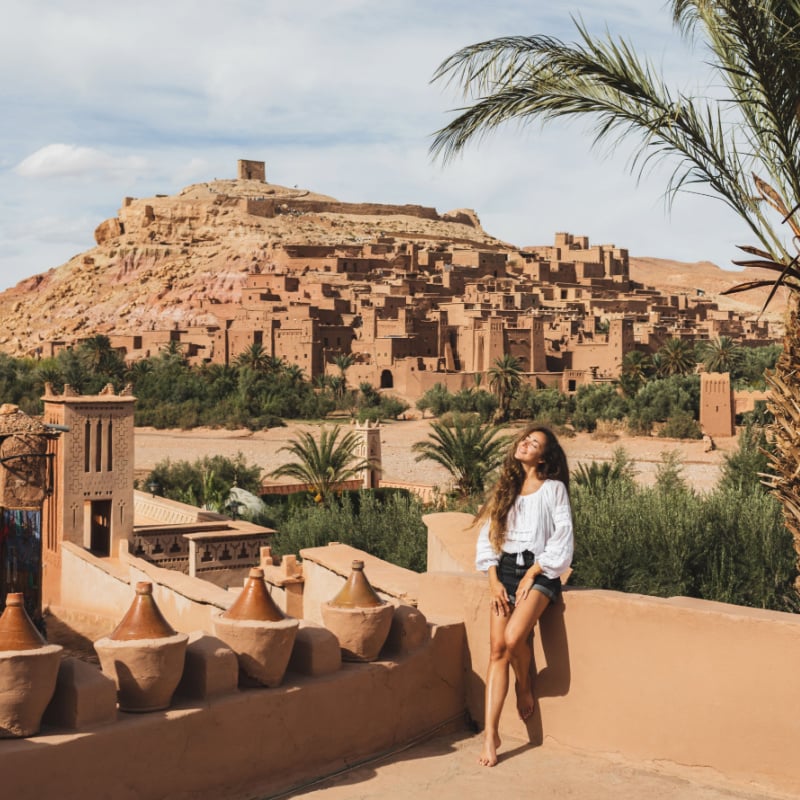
[145,656]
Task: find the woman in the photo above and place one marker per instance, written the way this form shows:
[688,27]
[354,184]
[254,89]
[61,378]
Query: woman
[525,544]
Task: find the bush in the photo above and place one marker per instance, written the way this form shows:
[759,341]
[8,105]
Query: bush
[729,546]
[742,469]
[660,399]
[681,425]
[388,526]
[548,406]
[205,482]
[595,402]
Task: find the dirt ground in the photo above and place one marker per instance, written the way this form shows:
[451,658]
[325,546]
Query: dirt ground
[700,468]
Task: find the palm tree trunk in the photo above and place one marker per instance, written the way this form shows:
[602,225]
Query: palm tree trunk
[784,403]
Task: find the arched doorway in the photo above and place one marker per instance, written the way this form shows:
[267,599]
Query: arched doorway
[387,381]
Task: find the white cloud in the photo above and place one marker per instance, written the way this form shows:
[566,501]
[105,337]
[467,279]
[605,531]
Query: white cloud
[68,160]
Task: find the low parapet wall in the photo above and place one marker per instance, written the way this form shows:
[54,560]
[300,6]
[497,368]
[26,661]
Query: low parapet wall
[252,743]
[248,742]
[681,681]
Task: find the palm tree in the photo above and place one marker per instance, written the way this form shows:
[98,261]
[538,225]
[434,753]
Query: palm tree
[325,464]
[254,357]
[469,451]
[676,357]
[505,378]
[720,145]
[344,361]
[173,352]
[636,369]
[721,354]
[100,357]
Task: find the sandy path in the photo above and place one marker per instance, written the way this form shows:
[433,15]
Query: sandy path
[701,469]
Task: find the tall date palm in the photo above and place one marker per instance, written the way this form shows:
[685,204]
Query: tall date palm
[741,146]
[325,463]
[469,450]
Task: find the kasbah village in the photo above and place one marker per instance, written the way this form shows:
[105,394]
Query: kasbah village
[184,660]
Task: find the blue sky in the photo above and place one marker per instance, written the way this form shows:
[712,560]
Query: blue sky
[104,100]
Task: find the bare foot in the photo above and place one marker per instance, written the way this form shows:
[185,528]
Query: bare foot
[525,702]
[488,756]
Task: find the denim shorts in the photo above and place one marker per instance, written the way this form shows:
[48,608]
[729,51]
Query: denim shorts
[510,574]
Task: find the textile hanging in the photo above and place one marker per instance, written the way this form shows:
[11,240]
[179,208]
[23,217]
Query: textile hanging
[21,557]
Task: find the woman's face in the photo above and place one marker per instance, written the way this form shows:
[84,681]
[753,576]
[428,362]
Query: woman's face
[530,450]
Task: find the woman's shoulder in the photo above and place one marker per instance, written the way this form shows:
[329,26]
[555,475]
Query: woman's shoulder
[555,487]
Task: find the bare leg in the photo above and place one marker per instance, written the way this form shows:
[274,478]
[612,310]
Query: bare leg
[518,645]
[496,688]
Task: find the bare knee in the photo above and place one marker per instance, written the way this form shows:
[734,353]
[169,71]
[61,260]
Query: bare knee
[516,641]
[498,651]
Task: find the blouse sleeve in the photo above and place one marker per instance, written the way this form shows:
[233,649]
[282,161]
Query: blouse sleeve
[485,555]
[556,557]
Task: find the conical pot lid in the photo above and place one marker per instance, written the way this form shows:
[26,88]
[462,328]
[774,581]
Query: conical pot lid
[144,620]
[17,632]
[255,602]
[357,591]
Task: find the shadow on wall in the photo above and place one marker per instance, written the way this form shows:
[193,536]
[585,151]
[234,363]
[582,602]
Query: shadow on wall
[553,679]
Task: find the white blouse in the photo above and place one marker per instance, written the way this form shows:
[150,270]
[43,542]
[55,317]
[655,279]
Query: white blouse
[540,522]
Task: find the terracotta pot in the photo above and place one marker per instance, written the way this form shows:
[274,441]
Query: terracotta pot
[359,619]
[17,632]
[143,619]
[258,632]
[144,656]
[254,601]
[28,671]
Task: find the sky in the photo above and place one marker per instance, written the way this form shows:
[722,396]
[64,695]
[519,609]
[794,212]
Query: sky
[106,100]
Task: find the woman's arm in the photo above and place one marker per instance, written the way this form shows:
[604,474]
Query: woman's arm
[556,557]
[485,554]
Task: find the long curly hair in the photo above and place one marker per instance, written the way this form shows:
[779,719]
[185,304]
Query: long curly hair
[512,476]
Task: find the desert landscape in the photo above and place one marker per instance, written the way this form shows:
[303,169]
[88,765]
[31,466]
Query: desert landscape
[701,468]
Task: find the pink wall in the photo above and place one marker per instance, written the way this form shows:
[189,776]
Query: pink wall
[677,680]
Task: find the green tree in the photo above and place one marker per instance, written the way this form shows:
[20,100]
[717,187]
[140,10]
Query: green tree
[325,463]
[469,450]
[505,378]
[721,354]
[597,401]
[254,357]
[344,361]
[676,357]
[636,369]
[739,145]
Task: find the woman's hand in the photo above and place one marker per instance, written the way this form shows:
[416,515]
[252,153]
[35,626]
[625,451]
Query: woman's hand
[500,604]
[525,586]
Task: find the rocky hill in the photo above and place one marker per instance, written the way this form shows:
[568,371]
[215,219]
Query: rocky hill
[166,261]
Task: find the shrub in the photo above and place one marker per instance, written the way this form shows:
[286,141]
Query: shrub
[596,402]
[389,527]
[729,546]
[205,482]
[681,426]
